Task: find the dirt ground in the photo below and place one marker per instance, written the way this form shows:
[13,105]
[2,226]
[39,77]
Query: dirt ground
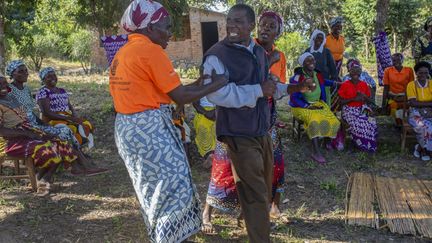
[104,208]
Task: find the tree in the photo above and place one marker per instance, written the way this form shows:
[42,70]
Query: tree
[81,48]
[13,14]
[400,21]
[44,35]
[292,45]
[382,8]
[103,15]
[37,44]
[360,16]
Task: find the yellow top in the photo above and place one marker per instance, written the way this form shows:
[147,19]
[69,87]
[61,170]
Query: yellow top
[415,91]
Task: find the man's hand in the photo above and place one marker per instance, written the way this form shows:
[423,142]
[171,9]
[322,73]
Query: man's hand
[218,79]
[211,115]
[268,87]
[273,57]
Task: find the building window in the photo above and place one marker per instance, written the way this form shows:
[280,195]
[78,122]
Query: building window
[184,31]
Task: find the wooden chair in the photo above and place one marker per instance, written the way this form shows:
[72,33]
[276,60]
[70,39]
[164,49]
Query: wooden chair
[297,128]
[407,130]
[29,167]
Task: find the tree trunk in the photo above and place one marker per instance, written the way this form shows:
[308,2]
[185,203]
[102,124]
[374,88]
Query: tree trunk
[2,41]
[395,43]
[366,45]
[382,8]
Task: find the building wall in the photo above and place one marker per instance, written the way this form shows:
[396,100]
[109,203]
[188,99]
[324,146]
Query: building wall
[188,53]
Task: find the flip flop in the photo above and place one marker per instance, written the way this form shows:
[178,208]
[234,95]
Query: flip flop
[208,229]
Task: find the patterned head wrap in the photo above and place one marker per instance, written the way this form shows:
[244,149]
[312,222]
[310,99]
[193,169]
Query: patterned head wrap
[44,72]
[312,41]
[140,13]
[278,18]
[336,20]
[400,55]
[303,57]
[12,66]
[352,63]
[427,23]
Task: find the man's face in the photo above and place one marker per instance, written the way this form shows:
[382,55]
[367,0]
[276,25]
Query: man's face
[238,27]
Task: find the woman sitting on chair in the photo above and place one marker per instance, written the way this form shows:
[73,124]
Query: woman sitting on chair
[364,76]
[395,80]
[355,96]
[311,107]
[56,108]
[419,95]
[20,139]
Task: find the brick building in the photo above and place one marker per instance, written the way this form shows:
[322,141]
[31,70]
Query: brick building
[201,29]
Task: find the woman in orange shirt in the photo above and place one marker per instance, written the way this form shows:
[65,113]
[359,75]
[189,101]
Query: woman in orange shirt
[143,84]
[270,28]
[335,42]
[396,79]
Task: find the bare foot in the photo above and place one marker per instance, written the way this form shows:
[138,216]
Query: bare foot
[207,227]
[240,222]
[274,211]
[43,188]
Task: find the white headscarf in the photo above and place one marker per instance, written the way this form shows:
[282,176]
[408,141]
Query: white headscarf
[142,12]
[312,41]
[303,57]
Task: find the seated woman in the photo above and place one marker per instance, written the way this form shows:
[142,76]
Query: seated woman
[419,95]
[20,139]
[396,79]
[18,73]
[56,108]
[311,107]
[364,76]
[355,96]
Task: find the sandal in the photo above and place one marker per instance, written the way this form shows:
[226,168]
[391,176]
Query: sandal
[208,229]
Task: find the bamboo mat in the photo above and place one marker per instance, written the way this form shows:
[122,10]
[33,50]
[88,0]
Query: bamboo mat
[402,205]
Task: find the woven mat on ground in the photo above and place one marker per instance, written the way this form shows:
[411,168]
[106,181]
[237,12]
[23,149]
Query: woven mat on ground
[404,206]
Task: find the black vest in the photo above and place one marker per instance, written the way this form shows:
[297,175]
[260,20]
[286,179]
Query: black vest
[244,68]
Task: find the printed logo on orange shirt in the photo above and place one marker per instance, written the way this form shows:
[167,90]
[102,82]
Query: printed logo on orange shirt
[114,67]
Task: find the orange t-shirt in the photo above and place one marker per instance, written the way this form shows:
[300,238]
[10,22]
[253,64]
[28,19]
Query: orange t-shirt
[279,68]
[141,75]
[336,46]
[398,81]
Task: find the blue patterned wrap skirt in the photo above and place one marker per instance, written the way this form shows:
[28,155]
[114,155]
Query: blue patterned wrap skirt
[157,164]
